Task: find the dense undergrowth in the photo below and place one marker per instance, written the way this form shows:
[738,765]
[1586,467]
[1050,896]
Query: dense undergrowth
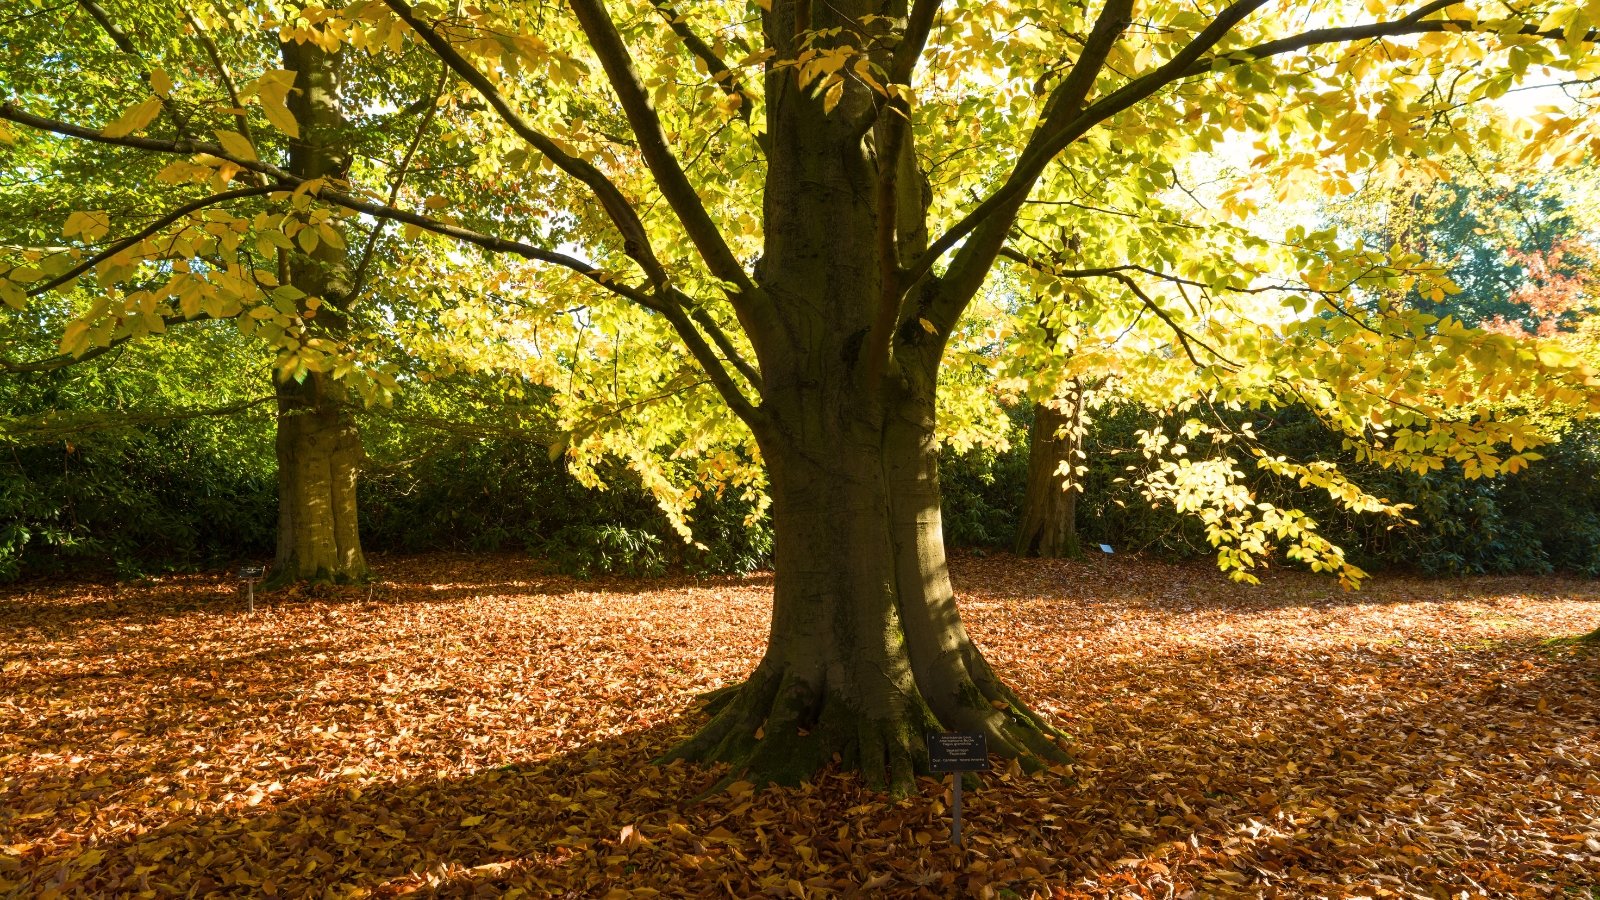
[196,493]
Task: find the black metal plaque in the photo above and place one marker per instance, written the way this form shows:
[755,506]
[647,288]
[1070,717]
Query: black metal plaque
[957,751]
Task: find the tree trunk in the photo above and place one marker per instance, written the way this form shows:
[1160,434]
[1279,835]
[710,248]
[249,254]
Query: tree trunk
[1049,525]
[867,652]
[319,455]
[318,447]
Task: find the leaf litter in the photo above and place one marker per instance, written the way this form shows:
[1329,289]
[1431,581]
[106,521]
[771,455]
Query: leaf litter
[473,726]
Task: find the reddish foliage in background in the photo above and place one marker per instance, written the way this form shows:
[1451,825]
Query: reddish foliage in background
[1560,284]
[477,727]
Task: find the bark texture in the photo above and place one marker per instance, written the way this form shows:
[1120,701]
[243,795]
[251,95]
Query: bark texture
[1049,526]
[318,447]
[867,652]
[319,455]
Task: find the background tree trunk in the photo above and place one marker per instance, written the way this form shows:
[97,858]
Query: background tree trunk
[1049,525]
[318,446]
[319,455]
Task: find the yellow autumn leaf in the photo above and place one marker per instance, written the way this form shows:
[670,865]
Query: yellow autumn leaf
[160,82]
[273,90]
[75,339]
[12,295]
[331,236]
[91,225]
[833,95]
[236,145]
[139,116]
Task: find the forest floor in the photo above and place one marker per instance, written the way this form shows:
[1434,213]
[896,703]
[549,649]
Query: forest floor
[476,727]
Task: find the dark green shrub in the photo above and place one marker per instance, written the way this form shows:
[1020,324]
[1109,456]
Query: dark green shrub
[982,493]
[588,550]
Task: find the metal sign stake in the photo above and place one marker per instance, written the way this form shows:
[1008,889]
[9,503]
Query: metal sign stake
[957,753]
[955,810]
[250,575]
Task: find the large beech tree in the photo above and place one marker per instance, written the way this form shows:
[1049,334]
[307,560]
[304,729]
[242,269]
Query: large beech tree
[805,200]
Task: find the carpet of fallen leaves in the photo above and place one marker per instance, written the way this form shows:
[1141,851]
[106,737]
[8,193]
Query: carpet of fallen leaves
[471,726]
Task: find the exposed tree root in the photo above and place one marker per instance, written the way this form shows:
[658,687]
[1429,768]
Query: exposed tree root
[782,727]
[282,577]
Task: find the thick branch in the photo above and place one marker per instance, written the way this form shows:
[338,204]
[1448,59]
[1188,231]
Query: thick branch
[38,429]
[10,112]
[703,353]
[288,181]
[995,215]
[724,77]
[1410,24]
[720,338]
[876,348]
[63,360]
[492,243]
[1190,61]
[673,307]
[1187,65]
[919,25]
[646,125]
[636,242]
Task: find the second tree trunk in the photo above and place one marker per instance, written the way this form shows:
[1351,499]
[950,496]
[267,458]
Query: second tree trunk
[1049,525]
[319,458]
